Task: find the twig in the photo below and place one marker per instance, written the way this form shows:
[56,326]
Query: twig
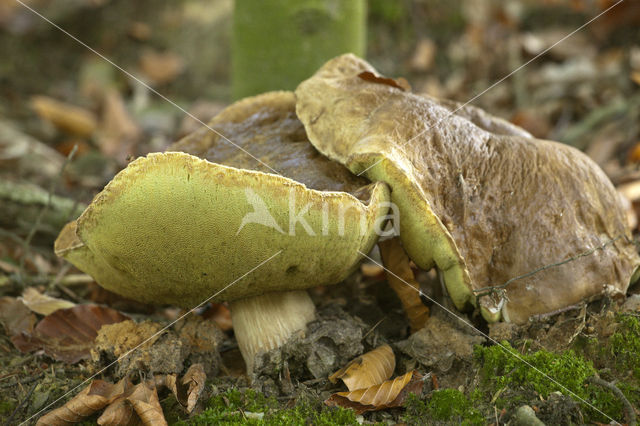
[485,291]
[54,183]
[19,407]
[374,327]
[22,382]
[629,413]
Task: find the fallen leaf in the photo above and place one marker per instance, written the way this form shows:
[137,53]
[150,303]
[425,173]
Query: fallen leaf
[423,56]
[118,132]
[144,400]
[68,334]
[367,370]
[119,412]
[371,270]
[161,68]
[399,83]
[402,280]
[19,322]
[187,390]
[68,118]
[194,380]
[93,398]
[43,304]
[391,393]
[220,314]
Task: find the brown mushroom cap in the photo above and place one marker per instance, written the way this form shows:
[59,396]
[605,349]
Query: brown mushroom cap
[266,127]
[169,228]
[484,204]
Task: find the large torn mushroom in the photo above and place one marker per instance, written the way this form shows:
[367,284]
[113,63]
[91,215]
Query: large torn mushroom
[176,228]
[478,198]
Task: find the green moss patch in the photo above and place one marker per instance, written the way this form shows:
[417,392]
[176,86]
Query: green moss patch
[448,405]
[501,371]
[624,345]
[253,408]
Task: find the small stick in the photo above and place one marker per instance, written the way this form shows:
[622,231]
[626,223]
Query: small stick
[629,413]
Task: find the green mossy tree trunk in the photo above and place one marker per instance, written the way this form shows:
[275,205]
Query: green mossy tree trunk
[278,43]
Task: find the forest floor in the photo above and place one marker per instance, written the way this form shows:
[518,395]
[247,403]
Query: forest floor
[584,92]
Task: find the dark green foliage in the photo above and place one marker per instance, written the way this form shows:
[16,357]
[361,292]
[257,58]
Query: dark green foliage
[240,408]
[624,345]
[501,370]
[448,405]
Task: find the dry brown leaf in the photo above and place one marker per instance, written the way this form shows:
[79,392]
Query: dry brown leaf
[399,83]
[194,380]
[391,393]
[120,412]
[43,304]
[161,68]
[367,370]
[144,400]
[397,261]
[93,398]
[187,390]
[220,314]
[371,270]
[68,118]
[19,322]
[68,334]
[423,55]
[118,132]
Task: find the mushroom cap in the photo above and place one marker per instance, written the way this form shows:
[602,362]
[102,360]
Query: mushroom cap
[173,228]
[266,127]
[481,200]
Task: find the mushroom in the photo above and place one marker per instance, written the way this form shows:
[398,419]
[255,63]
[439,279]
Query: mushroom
[179,228]
[478,198]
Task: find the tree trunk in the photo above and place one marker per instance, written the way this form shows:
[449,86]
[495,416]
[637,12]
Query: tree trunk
[277,44]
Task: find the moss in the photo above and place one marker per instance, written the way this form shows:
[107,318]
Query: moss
[253,408]
[444,405]
[624,345]
[6,407]
[500,370]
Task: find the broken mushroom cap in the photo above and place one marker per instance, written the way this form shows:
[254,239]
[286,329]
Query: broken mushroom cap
[175,228]
[481,200]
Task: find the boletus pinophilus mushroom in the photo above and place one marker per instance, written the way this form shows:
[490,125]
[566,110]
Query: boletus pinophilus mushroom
[478,198]
[179,227]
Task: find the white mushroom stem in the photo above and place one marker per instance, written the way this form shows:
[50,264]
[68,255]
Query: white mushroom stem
[265,322]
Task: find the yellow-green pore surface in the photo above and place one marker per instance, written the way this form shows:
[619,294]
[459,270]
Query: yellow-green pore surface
[477,198]
[174,228]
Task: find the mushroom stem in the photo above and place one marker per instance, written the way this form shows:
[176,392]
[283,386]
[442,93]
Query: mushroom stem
[265,322]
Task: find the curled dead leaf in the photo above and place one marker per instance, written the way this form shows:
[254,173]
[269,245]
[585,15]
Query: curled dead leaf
[187,390]
[93,398]
[127,404]
[119,412]
[402,280]
[389,394]
[367,370]
[43,304]
[68,118]
[144,399]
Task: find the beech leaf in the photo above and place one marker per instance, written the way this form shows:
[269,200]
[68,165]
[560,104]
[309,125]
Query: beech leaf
[43,304]
[389,394]
[367,370]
